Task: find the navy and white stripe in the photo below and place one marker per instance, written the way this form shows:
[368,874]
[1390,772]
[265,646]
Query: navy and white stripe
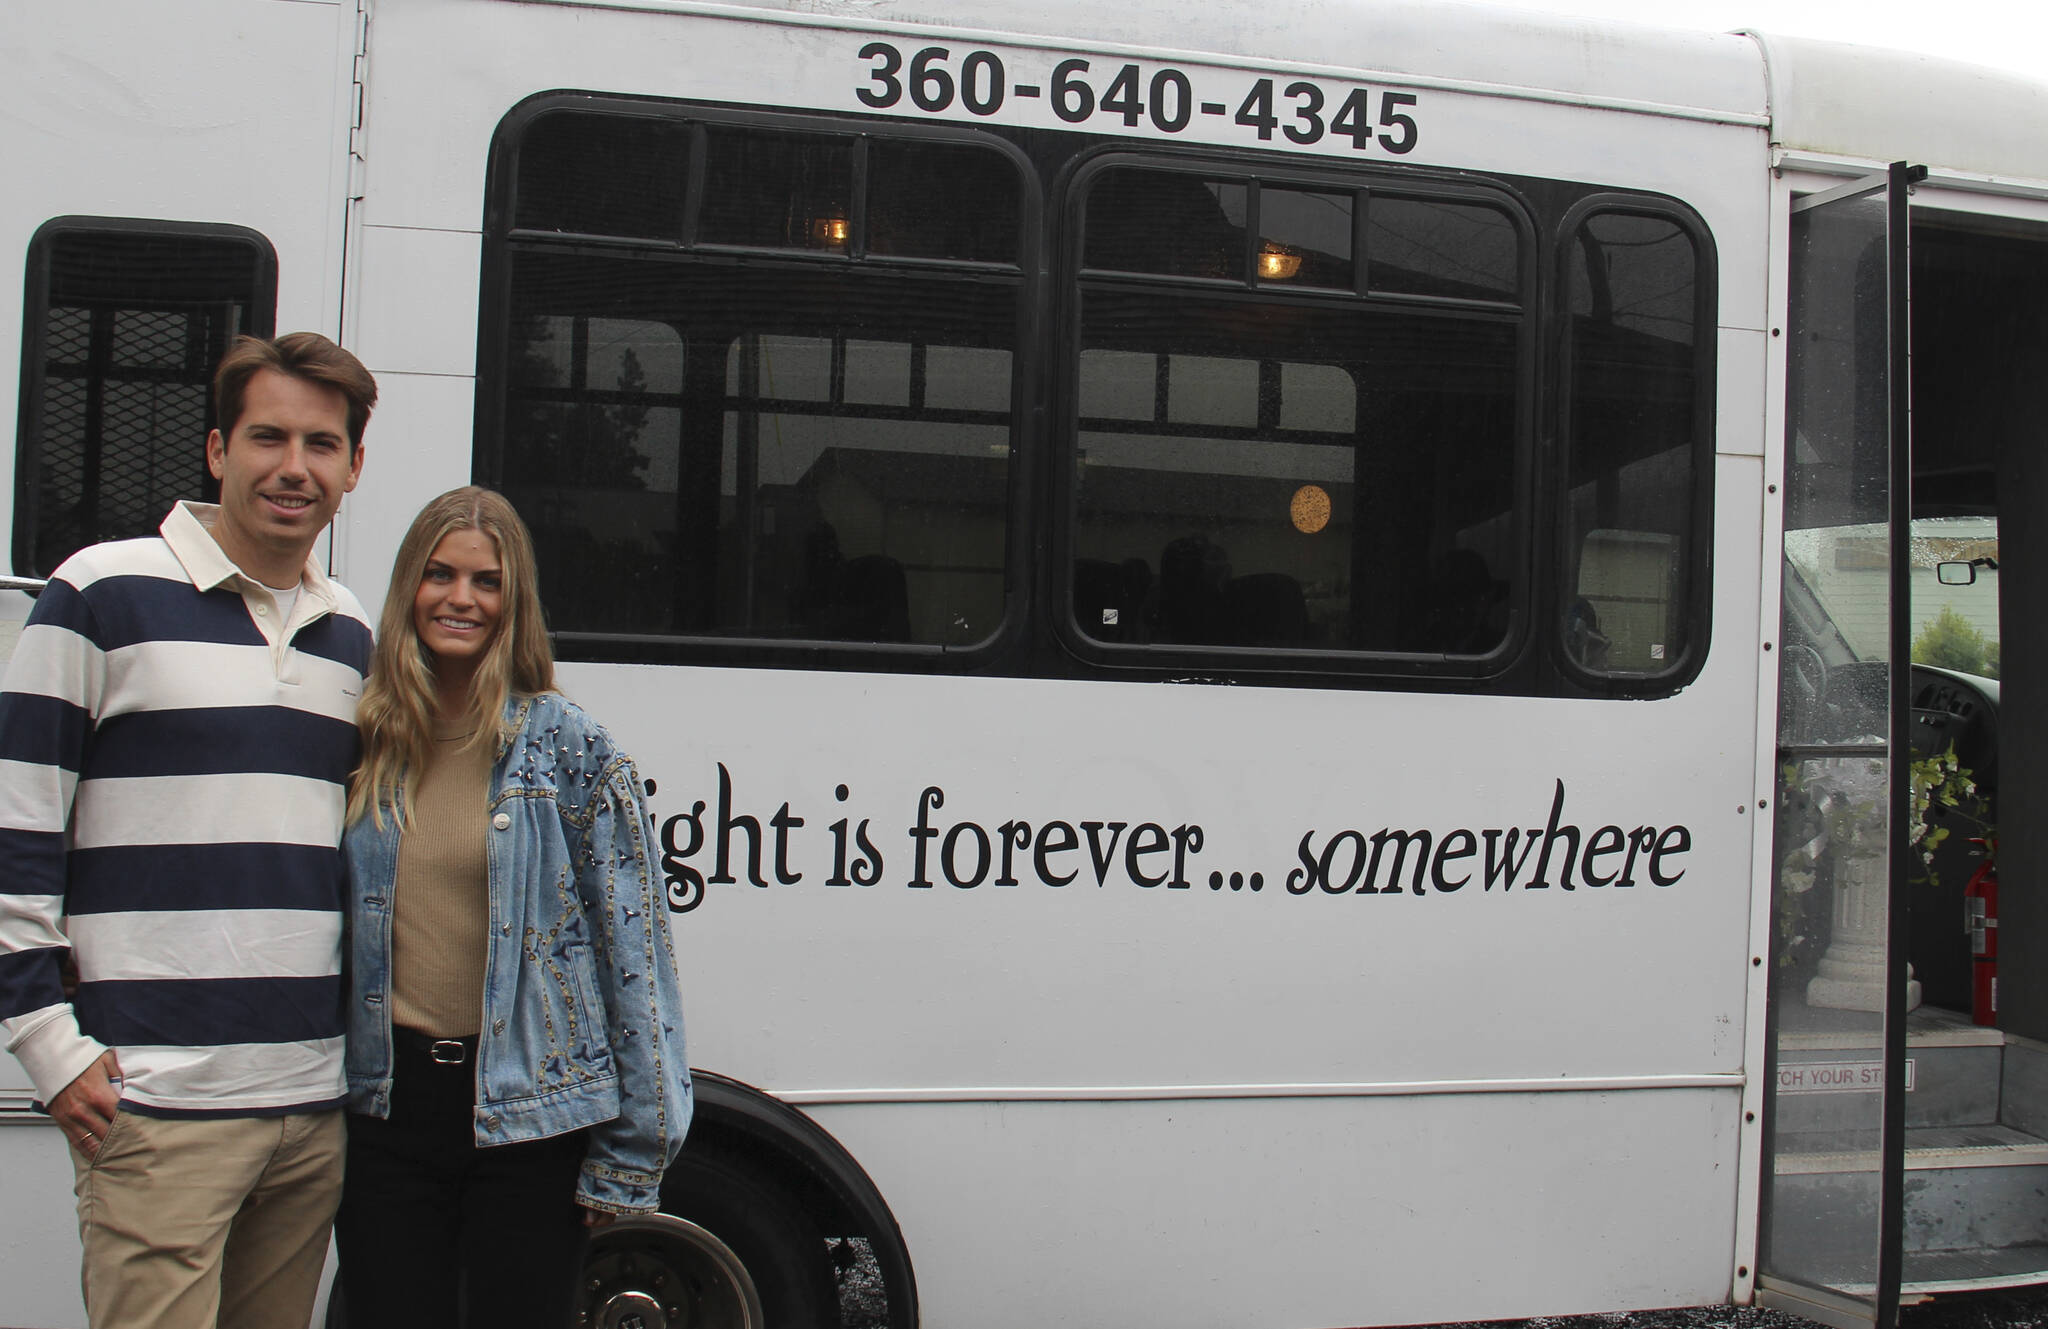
[172,789]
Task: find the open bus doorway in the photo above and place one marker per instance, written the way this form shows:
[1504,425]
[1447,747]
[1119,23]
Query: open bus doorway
[1908,1138]
[1980,351]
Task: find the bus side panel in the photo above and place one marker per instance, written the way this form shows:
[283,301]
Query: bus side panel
[423,352]
[955,975]
[220,111]
[39,1223]
[1219,917]
[1318,1212]
[1094,977]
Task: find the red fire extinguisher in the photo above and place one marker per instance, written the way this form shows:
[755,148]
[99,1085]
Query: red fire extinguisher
[1980,920]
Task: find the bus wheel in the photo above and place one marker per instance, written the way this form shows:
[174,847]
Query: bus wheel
[727,1252]
[655,1271]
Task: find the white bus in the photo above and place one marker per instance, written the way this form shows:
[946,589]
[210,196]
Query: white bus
[1270,643]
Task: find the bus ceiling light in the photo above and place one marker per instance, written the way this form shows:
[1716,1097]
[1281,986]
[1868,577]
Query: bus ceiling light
[1309,510]
[1276,263]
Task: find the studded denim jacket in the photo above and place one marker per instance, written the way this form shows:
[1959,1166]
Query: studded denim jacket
[582,1019]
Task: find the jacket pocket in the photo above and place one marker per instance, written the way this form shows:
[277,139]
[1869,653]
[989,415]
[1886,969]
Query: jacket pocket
[577,1042]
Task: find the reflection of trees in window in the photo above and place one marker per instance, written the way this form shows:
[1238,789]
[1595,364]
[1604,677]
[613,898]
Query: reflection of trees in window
[574,435]
[577,450]
[809,440]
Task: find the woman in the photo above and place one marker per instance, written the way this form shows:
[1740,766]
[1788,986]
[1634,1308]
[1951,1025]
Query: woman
[516,1071]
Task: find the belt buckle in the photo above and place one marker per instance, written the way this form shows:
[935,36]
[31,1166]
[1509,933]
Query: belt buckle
[447,1052]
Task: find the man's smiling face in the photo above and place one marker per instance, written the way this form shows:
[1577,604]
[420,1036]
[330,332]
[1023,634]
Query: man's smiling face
[282,473]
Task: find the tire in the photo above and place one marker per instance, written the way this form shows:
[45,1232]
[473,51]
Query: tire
[728,1251]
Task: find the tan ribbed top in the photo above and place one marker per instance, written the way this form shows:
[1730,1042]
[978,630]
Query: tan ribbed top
[440,902]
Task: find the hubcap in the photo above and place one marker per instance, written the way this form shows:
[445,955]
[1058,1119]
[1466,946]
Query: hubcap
[664,1272]
[633,1310]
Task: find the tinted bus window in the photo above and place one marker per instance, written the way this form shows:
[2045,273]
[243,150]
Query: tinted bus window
[1636,445]
[760,380]
[793,424]
[1293,465]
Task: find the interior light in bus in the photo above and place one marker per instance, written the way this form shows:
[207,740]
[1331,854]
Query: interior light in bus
[1277,263]
[1310,508]
[831,231]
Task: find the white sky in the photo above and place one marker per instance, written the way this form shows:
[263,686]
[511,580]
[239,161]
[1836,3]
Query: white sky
[2010,34]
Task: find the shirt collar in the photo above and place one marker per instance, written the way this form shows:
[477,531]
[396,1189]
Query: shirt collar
[188,530]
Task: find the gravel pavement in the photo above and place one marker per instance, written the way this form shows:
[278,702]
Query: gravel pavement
[2027,1309]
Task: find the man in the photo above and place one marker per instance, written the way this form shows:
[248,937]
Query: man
[176,733]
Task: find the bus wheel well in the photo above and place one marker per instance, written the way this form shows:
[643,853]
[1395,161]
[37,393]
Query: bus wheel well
[744,1130]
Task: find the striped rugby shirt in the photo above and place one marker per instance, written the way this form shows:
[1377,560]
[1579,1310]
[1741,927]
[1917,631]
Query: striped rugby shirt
[173,770]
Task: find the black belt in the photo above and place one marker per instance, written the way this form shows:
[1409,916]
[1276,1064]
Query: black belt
[440,1051]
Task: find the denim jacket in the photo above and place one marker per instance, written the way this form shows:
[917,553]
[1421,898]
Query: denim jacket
[582,1019]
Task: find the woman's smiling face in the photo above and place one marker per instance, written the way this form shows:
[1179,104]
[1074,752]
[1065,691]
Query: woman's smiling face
[460,601]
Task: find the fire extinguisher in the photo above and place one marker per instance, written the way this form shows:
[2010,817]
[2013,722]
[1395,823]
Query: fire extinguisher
[1980,921]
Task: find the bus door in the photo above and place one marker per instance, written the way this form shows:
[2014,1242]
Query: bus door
[1839,988]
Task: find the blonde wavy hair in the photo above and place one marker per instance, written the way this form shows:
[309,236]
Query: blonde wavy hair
[401,700]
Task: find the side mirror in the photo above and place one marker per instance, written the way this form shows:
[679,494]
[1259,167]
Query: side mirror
[1960,573]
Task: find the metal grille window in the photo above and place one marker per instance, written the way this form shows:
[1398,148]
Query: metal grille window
[125,322]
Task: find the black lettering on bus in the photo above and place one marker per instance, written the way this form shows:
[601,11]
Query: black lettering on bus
[922,833]
[1146,840]
[784,823]
[1187,839]
[727,824]
[1400,840]
[1055,837]
[1444,852]
[685,883]
[1014,835]
[949,856]
[1607,840]
[1099,854]
[1552,832]
[1672,840]
[1507,867]
[1324,877]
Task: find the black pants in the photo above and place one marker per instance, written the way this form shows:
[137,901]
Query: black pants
[435,1232]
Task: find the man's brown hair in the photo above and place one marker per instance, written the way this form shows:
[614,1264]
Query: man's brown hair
[304,355]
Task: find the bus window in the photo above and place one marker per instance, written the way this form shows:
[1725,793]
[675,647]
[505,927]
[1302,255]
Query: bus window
[1636,445]
[778,191]
[1305,239]
[1291,465]
[793,423]
[1166,222]
[125,321]
[570,179]
[1444,248]
[914,193]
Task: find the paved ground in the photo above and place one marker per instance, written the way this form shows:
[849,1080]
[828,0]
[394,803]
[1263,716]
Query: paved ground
[1977,1310]
[864,1306]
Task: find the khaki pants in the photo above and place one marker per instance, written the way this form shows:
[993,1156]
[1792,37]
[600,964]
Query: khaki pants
[205,1222]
